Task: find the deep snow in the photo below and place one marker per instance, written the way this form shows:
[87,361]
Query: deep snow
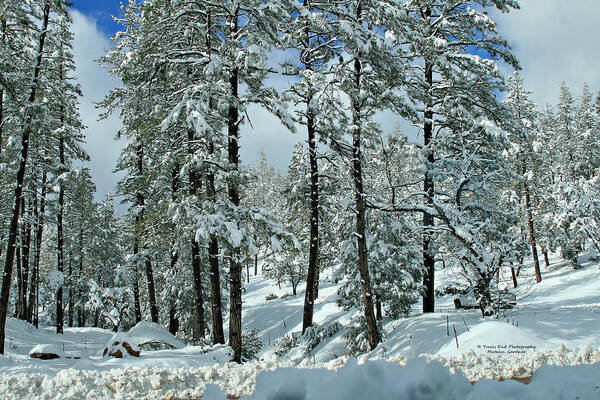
[556,322]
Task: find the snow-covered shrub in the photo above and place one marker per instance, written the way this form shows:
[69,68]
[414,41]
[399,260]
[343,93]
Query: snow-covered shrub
[287,342]
[251,344]
[305,343]
[356,336]
[271,296]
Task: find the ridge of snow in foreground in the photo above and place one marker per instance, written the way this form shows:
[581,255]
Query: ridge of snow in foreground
[429,377]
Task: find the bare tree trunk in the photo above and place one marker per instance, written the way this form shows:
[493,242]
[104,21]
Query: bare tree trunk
[81,309]
[215,276]
[378,311]
[19,278]
[14,222]
[173,320]
[363,266]
[60,249]
[235,289]
[429,189]
[199,319]
[3,23]
[148,261]
[312,282]
[136,298]
[514,276]
[39,218]
[546,259]
[71,302]
[256,264]
[25,253]
[532,241]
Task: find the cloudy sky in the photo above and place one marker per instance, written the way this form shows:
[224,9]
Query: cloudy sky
[555,40]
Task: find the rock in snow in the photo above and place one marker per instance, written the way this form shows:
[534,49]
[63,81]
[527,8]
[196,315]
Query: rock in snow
[46,352]
[121,345]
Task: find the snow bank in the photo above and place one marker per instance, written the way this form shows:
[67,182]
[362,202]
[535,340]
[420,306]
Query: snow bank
[493,338]
[480,366]
[146,331]
[418,380]
[446,378]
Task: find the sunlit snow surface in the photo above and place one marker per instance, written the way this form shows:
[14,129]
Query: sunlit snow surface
[556,324]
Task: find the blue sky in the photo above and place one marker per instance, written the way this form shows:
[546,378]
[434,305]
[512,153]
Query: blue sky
[102,11]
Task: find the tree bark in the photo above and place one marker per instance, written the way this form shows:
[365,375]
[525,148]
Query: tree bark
[195,186]
[136,298]
[3,23]
[148,261]
[216,307]
[532,241]
[546,259]
[38,248]
[313,254]
[81,309]
[514,276]
[25,254]
[429,189]
[378,311]
[173,320]
[363,266]
[14,222]
[71,301]
[235,289]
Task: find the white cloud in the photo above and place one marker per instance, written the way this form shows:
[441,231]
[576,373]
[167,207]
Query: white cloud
[90,44]
[555,40]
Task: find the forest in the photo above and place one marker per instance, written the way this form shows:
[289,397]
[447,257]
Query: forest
[492,183]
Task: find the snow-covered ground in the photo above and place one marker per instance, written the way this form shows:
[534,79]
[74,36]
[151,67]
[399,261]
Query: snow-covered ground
[556,322]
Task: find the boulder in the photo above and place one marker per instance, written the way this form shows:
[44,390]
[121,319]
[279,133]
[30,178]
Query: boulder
[121,345]
[46,352]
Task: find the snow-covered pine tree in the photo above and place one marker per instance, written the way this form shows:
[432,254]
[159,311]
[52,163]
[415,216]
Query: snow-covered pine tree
[522,134]
[452,81]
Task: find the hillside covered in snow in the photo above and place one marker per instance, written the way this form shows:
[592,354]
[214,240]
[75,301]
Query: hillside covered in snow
[555,324]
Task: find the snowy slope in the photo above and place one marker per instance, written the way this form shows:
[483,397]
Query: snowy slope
[556,322]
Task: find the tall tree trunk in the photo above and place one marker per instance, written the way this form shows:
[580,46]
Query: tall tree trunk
[235,289]
[19,278]
[216,307]
[81,309]
[136,297]
[546,259]
[173,320]
[39,218]
[195,186]
[71,301]
[60,234]
[313,253]
[514,276]
[3,23]
[14,222]
[148,261]
[25,253]
[378,309]
[532,241]
[363,266]
[428,188]
[60,248]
